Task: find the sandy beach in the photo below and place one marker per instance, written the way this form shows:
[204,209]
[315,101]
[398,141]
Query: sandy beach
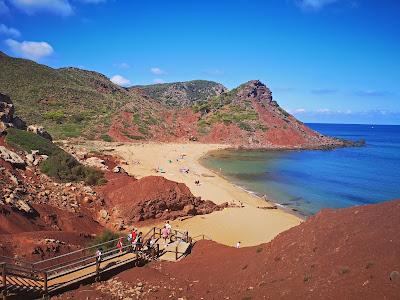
[249,224]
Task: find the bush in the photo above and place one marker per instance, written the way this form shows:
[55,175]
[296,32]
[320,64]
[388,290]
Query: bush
[106,138]
[65,168]
[105,236]
[60,165]
[29,141]
[56,116]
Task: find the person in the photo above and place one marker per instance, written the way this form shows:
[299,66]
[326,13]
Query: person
[238,245]
[139,241]
[133,238]
[169,227]
[165,234]
[98,255]
[120,244]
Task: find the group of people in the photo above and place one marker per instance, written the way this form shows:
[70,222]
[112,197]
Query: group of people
[135,240]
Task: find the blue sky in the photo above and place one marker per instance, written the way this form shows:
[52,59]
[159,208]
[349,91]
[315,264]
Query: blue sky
[325,60]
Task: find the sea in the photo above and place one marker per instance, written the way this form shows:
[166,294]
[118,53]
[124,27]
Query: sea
[310,180]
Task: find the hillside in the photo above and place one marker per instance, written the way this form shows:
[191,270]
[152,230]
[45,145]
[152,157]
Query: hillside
[182,93]
[350,253]
[71,102]
[246,116]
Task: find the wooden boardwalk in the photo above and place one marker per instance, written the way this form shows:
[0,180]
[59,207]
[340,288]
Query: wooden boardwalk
[56,274]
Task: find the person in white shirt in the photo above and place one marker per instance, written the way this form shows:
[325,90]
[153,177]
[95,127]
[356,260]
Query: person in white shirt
[168,226]
[238,245]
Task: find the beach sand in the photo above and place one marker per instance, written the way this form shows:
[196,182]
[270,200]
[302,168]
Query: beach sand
[249,224]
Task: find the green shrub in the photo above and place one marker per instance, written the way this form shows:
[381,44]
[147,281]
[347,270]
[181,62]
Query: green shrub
[106,138]
[29,141]
[105,236]
[65,168]
[60,165]
[55,115]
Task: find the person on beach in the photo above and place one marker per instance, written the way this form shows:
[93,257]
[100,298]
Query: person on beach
[238,245]
[120,244]
[165,234]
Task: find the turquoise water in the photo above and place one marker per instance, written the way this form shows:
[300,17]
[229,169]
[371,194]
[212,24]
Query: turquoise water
[307,181]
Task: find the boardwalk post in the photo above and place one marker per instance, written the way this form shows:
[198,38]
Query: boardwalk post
[4,274]
[97,270]
[176,253]
[45,287]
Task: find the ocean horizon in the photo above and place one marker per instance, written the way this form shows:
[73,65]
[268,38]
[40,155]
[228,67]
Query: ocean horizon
[306,181]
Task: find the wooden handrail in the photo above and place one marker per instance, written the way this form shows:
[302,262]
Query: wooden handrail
[20,269]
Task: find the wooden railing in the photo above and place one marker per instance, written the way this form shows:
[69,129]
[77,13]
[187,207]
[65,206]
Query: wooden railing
[42,277]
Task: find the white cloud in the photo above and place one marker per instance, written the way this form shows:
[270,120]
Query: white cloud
[31,50]
[120,80]
[314,4]
[157,71]
[9,31]
[3,8]
[30,7]
[158,80]
[122,65]
[299,111]
[323,110]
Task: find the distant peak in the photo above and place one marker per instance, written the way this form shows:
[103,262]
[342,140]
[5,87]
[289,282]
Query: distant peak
[255,89]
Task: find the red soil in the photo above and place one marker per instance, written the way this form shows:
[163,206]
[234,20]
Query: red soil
[337,254]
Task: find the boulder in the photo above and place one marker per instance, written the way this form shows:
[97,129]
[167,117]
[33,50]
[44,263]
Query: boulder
[189,210]
[19,123]
[118,169]
[6,113]
[11,157]
[96,163]
[39,130]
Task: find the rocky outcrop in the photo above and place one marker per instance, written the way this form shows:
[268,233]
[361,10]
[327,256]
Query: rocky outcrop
[150,198]
[180,94]
[7,118]
[11,157]
[39,130]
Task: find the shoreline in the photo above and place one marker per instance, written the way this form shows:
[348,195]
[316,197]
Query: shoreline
[266,198]
[251,223]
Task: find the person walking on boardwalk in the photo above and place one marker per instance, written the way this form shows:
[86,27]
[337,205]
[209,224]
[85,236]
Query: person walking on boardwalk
[120,244]
[98,255]
[168,226]
[139,241]
[165,234]
[133,238]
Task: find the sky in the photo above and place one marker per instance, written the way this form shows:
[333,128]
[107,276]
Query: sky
[334,61]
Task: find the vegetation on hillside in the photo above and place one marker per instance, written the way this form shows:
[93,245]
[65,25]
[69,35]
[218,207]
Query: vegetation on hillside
[224,109]
[69,102]
[59,165]
[178,94]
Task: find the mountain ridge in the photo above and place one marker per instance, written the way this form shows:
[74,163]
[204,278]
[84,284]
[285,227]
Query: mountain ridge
[72,102]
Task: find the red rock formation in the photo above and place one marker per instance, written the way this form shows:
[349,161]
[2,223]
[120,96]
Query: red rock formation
[149,198]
